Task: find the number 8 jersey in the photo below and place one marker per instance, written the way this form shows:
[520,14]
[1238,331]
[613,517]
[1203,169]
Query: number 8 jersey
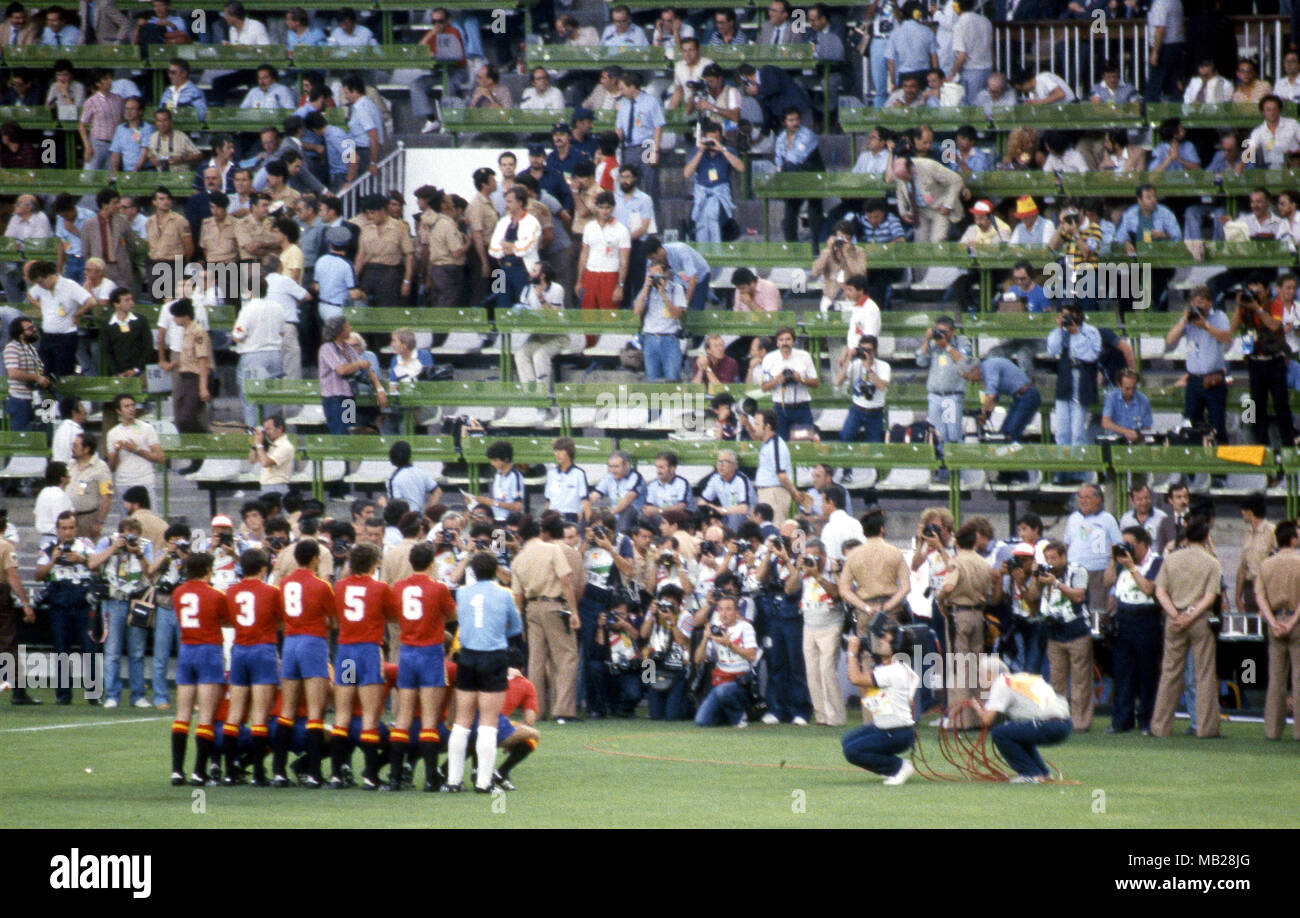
[200,612]
[364,604]
[308,604]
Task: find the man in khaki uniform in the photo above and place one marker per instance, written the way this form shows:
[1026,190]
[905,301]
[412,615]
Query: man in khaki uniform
[168,234]
[277,186]
[541,584]
[1259,543]
[253,232]
[286,565]
[448,248]
[481,219]
[18,607]
[190,398]
[217,233]
[966,591]
[1277,593]
[385,265]
[1186,587]
[875,575]
[90,486]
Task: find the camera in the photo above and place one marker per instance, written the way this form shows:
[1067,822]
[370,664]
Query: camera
[276,543]
[696,86]
[1195,314]
[482,544]
[1069,320]
[810,562]
[907,636]
[707,547]
[225,538]
[864,388]
[667,559]
[717,630]
[65,548]
[599,532]
[339,548]
[788,377]
[930,531]
[779,540]
[132,539]
[1042,570]
[1121,551]
[182,545]
[939,334]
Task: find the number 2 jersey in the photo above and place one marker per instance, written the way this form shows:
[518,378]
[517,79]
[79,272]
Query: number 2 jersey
[200,612]
[308,604]
[424,606]
[257,609]
[364,605]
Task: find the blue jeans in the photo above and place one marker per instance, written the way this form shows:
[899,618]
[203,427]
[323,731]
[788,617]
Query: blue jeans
[74,267]
[787,681]
[663,358]
[1137,646]
[670,704]
[516,276]
[863,426]
[166,641]
[1028,640]
[333,408]
[1018,743]
[1202,405]
[20,414]
[1021,412]
[879,72]
[1293,375]
[877,750]
[114,611]
[724,704]
[100,154]
[787,417]
[1070,422]
[592,695]
[944,414]
[256,365]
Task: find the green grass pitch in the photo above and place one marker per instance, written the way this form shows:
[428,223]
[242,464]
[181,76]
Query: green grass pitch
[635,773]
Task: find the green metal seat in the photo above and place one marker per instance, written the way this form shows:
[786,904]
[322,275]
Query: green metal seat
[1016,457]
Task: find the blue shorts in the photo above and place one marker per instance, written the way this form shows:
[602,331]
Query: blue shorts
[200,664]
[505,728]
[358,664]
[421,667]
[305,657]
[254,664]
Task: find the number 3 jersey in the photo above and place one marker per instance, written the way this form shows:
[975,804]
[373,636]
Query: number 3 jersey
[364,605]
[200,612]
[256,608]
[308,604]
[425,605]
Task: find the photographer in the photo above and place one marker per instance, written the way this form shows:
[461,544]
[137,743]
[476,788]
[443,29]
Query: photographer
[781,622]
[997,377]
[732,647]
[839,263]
[666,631]
[822,624]
[868,382]
[1060,589]
[167,571]
[1259,319]
[945,353]
[711,166]
[875,576]
[618,675]
[1076,347]
[1136,642]
[125,560]
[791,372]
[1036,716]
[607,561]
[67,568]
[1208,336]
[1024,639]
[660,304]
[719,99]
[273,454]
[1126,411]
[225,553]
[888,690]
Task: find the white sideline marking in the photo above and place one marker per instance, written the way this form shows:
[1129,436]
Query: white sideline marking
[90,723]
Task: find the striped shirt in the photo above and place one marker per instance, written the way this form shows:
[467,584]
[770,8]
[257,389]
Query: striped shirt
[773,461]
[19,355]
[103,113]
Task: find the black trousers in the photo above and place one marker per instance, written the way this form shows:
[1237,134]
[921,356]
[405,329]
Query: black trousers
[1138,647]
[1268,381]
[790,221]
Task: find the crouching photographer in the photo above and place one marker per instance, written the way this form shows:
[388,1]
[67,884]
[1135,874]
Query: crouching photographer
[125,566]
[730,650]
[888,688]
[666,631]
[167,571]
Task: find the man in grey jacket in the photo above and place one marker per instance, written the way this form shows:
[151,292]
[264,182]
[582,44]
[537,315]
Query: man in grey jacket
[947,354]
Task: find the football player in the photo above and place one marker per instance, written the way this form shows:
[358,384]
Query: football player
[257,610]
[200,613]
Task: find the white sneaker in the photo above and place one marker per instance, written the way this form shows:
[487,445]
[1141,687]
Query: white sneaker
[799,722]
[903,774]
[141,703]
[1024,779]
[770,718]
[110,703]
[431,126]
[744,722]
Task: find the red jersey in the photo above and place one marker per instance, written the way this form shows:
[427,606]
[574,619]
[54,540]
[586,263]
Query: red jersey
[257,610]
[520,695]
[364,604]
[308,602]
[200,611]
[425,606]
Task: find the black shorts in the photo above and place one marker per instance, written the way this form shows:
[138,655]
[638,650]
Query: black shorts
[482,670]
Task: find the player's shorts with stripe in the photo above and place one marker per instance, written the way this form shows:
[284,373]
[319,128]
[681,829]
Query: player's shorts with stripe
[421,667]
[482,671]
[358,664]
[306,656]
[200,664]
[254,664]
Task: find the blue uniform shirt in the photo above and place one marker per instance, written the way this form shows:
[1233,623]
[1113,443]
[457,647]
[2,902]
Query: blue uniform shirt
[336,278]
[487,616]
[1135,415]
[740,490]
[509,488]
[614,489]
[565,491]
[313,37]
[1089,539]
[129,143]
[773,460]
[677,491]
[638,118]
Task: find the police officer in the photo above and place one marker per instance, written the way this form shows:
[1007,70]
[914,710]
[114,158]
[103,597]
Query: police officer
[1277,592]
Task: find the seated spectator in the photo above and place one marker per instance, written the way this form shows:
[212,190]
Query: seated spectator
[1022,150]
[61,28]
[714,366]
[881,226]
[754,293]
[127,149]
[1061,156]
[1119,154]
[541,94]
[16,152]
[1174,152]
[1078,238]
[1250,88]
[621,32]
[908,94]
[997,94]
[1207,87]
[1147,221]
[1127,412]
[1277,137]
[1111,88]
[569,32]
[1288,210]
[349,33]
[1032,229]
[1045,88]
[160,27]
[725,31]
[1261,222]
[65,95]
[268,93]
[606,94]
[874,160]
[1025,288]
[488,91]
[966,157]
[942,93]
[534,358]
[169,149]
[1288,87]
[180,91]
[987,229]
[300,30]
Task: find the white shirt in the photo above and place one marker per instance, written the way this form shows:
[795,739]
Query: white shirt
[52,501]
[360,36]
[1287,88]
[528,236]
[259,326]
[532,99]
[1218,90]
[684,73]
[59,305]
[973,34]
[1047,83]
[863,320]
[1152,525]
[1069,161]
[882,370]
[175,335]
[890,701]
[872,163]
[1272,146]
[1025,697]
[604,244]
[286,293]
[740,634]
[794,393]
[132,469]
[253,33]
[64,434]
[565,491]
[839,528]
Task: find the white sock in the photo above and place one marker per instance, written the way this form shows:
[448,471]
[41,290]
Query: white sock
[486,747]
[456,747]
